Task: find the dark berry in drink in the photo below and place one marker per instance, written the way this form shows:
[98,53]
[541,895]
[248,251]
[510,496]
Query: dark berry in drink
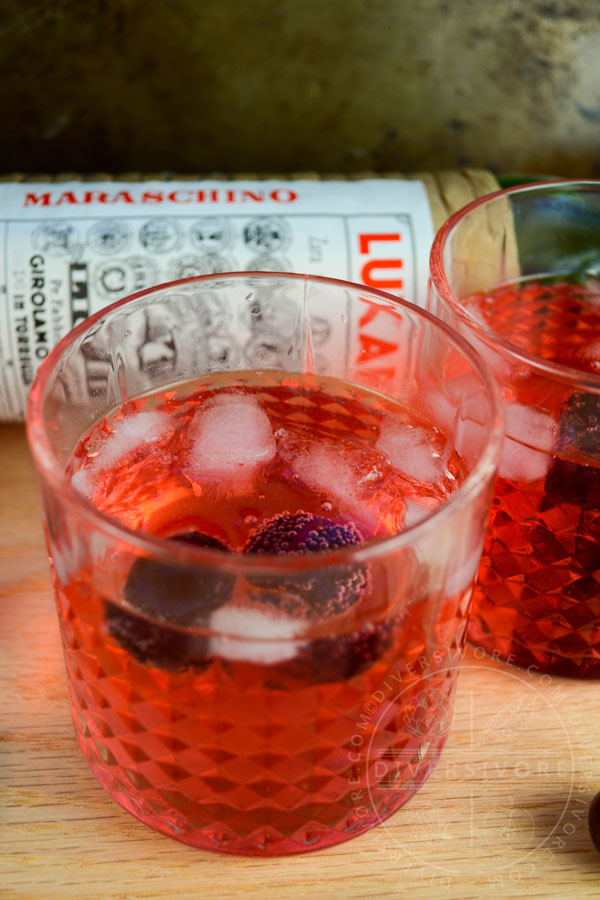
[341,657]
[178,594]
[576,482]
[571,482]
[163,601]
[301,532]
[318,593]
[333,660]
[580,424]
[158,645]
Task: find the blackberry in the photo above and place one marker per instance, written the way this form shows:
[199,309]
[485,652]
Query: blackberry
[301,532]
[320,593]
[156,645]
[344,656]
[580,424]
[177,597]
[340,657]
[570,482]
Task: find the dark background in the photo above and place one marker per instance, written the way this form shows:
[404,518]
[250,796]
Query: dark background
[336,86]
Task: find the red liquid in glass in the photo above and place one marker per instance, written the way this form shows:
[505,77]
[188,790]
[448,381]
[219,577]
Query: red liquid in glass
[240,751]
[537,601]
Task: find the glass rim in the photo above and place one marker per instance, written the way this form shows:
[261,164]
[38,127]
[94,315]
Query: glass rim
[557,371]
[166,549]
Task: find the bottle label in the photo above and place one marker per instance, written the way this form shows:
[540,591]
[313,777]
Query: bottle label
[71,248]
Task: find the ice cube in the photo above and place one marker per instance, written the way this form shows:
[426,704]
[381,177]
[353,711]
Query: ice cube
[462,408]
[528,443]
[410,450]
[335,471]
[414,512]
[232,436]
[531,427]
[82,481]
[461,397]
[443,410]
[131,433]
[327,469]
[255,634]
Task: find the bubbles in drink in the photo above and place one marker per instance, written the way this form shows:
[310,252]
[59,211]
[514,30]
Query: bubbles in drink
[309,593]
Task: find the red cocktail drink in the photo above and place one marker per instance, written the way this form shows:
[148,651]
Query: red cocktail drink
[528,297]
[263,578]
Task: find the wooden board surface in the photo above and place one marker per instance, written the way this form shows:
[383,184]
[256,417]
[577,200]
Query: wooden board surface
[504,814]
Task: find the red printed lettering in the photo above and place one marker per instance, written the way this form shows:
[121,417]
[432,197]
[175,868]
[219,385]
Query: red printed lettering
[180,196]
[122,197]
[381,376]
[177,195]
[365,240]
[37,199]
[372,347]
[66,197]
[152,197]
[369,315]
[375,265]
[371,267]
[283,195]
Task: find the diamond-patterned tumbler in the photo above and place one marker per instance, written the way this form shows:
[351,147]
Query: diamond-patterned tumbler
[293,690]
[518,274]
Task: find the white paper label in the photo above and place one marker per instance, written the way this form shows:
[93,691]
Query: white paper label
[72,248]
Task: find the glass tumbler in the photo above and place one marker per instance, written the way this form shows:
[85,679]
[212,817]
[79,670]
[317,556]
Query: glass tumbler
[518,274]
[264,499]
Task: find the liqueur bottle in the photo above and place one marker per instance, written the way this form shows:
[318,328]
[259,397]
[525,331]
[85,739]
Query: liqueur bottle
[74,245]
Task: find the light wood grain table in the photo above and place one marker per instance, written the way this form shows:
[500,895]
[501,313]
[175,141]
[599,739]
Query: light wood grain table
[504,814]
